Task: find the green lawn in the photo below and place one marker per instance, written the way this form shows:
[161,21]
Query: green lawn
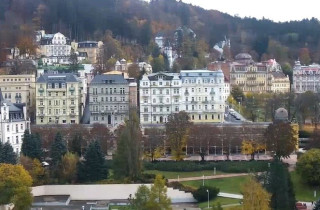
[228,185]
[222,201]
[303,191]
[174,175]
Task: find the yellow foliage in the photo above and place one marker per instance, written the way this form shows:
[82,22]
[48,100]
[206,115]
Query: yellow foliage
[15,183]
[254,196]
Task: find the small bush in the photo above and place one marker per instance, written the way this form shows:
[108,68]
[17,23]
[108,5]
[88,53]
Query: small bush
[201,194]
[181,187]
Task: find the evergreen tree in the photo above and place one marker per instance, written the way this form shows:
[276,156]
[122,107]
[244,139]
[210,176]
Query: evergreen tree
[278,184]
[94,167]
[127,159]
[7,155]
[75,145]
[58,149]
[31,145]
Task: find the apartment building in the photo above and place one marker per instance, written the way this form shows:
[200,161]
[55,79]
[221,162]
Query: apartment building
[18,88]
[258,77]
[13,123]
[201,93]
[58,99]
[306,78]
[110,97]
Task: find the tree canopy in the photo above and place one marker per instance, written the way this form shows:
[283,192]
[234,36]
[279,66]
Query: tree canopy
[15,183]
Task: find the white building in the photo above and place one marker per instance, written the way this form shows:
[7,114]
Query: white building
[201,93]
[52,45]
[13,123]
[306,78]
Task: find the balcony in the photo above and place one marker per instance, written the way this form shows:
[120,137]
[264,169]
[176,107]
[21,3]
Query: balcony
[72,105]
[212,92]
[72,114]
[193,102]
[205,102]
[41,90]
[18,97]
[186,93]
[71,89]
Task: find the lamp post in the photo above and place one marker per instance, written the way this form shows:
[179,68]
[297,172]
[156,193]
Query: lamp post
[208,198]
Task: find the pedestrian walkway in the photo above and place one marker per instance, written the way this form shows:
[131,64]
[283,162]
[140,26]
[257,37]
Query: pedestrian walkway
[207,177]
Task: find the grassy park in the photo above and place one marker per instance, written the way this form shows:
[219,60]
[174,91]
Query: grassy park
[174,174]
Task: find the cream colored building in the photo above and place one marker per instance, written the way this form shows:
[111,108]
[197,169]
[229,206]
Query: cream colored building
[256,77]
[58,99]
[19,88]
[92,48]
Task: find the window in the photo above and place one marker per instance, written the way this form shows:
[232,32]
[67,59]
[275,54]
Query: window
[145,118]
[177,109]
[154,118]
[161,110]
[153,92]
[154,100]
[8,128]
[145,100]
[176,100]
[21,127]
[154,109]
[187,107]
[17,139]
[167,91]
[168,109]
[145,109]
[192,107]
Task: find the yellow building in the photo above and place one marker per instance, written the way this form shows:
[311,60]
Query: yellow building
[19,89]
[256,77]
[58,99]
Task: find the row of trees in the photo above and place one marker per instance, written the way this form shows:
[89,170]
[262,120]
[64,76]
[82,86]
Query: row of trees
[180,134]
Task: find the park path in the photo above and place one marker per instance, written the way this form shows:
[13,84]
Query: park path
[207,177]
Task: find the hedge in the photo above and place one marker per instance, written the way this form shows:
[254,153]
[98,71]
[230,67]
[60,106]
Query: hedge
[224,166]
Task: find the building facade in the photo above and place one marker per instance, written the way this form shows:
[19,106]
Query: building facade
[58,99]
[18,88]
[256,77]
[201,93]
[13,123]
[93,50]
[109,99]
[306,78]
[54,45]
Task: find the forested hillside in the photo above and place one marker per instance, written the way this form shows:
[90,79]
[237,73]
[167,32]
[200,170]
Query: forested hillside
[136,22]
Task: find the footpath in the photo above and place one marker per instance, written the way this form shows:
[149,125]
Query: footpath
[207,177]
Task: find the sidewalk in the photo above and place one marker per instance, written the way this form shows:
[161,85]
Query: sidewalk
[207,177]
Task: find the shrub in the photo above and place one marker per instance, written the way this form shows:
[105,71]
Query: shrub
[201,194]
[181,187]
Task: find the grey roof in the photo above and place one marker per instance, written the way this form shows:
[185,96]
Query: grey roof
[45,78]
[109,78]
[278,74]
[12,107]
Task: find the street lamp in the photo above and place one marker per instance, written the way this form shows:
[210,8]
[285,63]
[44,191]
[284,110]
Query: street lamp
[208,198]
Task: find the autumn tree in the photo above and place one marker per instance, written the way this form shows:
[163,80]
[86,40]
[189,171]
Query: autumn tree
[251,147]
[35,169]
[199,138]
[281,139]
[127,158]
[26,45]
[15,183]
[254,196]
[153,143]
[7,155]
[304,56]
[308,166]
[101,133]
[68,171]
[158,196]
[237,94]
[177,129]
[154,198]
[134,71]
[93,167]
